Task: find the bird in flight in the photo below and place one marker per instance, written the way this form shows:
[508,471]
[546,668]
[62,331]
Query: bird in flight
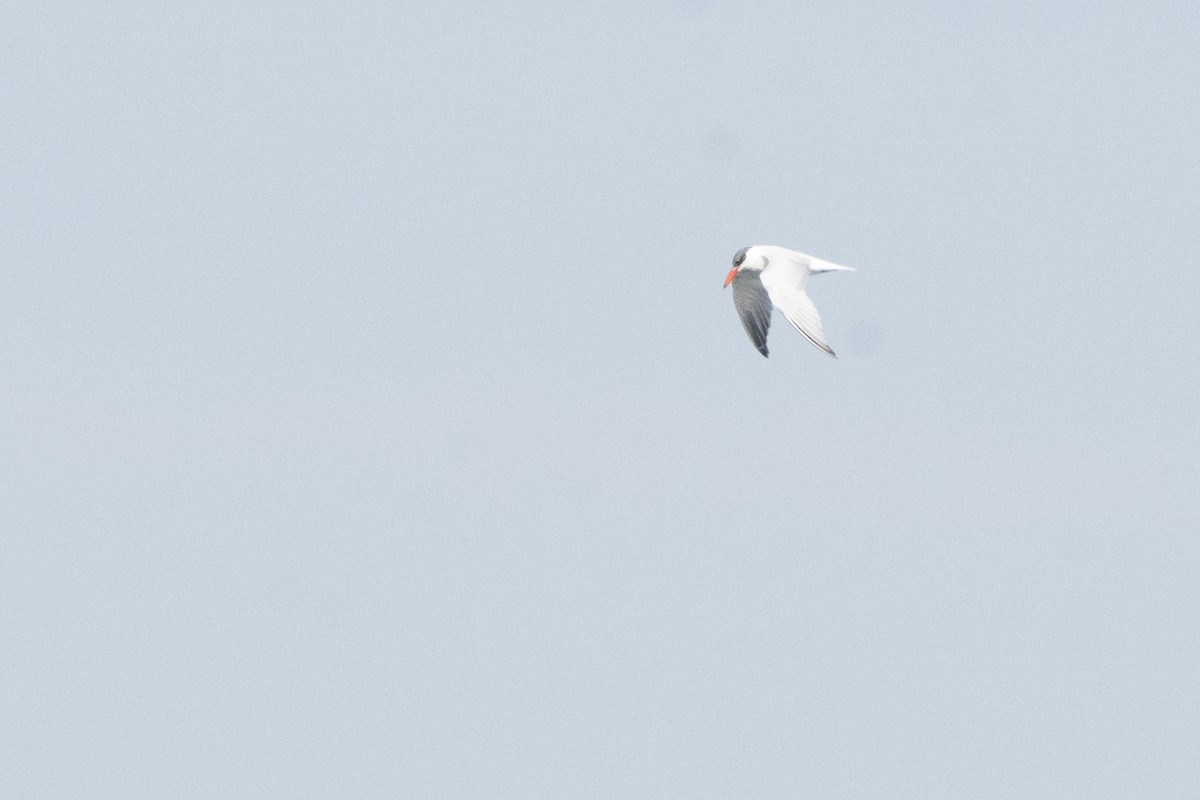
[766,276]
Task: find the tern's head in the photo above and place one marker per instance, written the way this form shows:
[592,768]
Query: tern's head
[748,258]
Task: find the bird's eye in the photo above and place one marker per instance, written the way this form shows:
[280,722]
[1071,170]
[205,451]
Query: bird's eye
[739,257]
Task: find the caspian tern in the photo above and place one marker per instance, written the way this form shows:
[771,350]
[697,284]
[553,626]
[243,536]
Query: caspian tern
[763,276]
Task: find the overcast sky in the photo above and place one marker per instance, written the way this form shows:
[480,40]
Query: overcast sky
[374,423]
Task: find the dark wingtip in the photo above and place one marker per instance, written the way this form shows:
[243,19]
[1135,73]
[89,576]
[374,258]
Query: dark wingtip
[763,350]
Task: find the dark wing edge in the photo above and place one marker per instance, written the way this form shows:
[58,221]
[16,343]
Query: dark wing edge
[814,341]
[754,307]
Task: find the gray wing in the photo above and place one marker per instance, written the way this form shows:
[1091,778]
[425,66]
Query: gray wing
[753,306]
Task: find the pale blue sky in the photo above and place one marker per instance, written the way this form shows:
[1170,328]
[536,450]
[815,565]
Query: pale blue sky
[376,424]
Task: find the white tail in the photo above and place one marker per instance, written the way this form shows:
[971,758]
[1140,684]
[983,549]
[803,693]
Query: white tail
[816,265]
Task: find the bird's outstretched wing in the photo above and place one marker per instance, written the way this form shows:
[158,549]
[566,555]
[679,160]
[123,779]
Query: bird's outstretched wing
[784,283]
[753,306]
